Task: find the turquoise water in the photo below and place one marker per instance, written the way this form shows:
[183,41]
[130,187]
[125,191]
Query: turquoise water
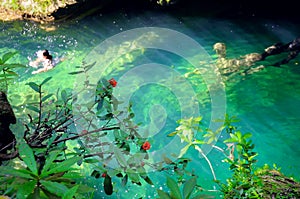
[267,102]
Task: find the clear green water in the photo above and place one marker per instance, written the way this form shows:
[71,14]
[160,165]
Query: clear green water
[266,102]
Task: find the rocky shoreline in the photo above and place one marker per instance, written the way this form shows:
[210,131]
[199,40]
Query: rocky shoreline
[31,10]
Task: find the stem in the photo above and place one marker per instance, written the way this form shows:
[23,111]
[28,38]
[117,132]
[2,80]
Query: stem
[218,148]
[84,134]
[6,84]
[40,110]
[207,160]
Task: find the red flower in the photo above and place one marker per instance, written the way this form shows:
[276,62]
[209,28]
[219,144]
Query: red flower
[84,131]
[103,175]
[113,82]
[146,145]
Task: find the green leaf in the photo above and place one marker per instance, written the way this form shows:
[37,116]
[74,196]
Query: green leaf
[34,86]
[54,187]
[91,160]
[174,189]
[26,189]
[163,195]
[184,150]
[85,189]
[77,72]
[88,67]
[70,193]
[33,108]
[49,160]
[134,177]
[48,194]
[172,134]
[62,166]
[73,175]
[27,156]
[147,179]
[108,188]
[11,66]
[7,56]
[64,95]
[9,73]
[36,194]
[124,180]
[189,187]
[120,157]
[46,80]
[21,173]
[115,103]
[199,142]
[6,79]
[46,97]
[247,135]
[202,196]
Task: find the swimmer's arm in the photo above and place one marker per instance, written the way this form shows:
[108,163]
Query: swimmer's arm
[42,70]
[35,63]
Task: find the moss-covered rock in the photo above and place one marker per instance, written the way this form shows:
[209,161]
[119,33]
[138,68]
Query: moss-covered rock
[265,183]
[37,10]
[277,185]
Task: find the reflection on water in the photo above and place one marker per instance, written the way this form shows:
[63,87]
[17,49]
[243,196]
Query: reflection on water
[266,102]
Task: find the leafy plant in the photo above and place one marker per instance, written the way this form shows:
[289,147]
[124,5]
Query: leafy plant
[7,72]
[48,179]
[188,131]
[188,190]
[248,181]
[244,183]
[112,137]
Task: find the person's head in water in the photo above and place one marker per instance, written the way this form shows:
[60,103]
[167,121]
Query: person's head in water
[220,49]
[47,55]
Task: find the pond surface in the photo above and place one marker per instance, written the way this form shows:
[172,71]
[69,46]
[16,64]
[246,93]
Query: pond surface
[266,102]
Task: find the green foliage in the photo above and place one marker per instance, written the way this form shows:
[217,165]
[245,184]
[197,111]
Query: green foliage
[248,182]
[241,159]
[189,189]
[42,179]
[7,72]
[113,137]
[244,183]
[188,131]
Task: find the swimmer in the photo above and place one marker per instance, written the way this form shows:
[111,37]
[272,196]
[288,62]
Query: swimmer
[42,57]
[293,49]
[229,66]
